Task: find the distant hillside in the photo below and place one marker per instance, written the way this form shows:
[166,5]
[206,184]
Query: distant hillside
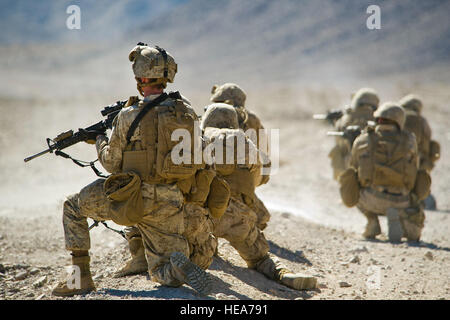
[304,40]
[255,43]
[24,21]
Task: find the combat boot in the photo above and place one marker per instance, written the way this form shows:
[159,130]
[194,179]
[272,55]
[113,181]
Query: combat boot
[298,281]
[72,286]
[372,228]
[190,273]
[430,203]
[272,268]
[395,230]
[138,263]
[412,232]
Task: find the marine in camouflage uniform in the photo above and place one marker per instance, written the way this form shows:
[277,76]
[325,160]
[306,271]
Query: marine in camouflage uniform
[141,152]
[429,150]
[364,102]
[384,163]
[232,94]
[239,223]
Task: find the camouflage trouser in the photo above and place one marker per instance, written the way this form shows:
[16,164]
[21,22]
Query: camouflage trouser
[340,159]
[238,226]
[161,228]
[261,212]
[198,228]
[373,203]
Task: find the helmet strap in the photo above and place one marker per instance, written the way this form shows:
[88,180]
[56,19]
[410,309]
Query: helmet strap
[164,54]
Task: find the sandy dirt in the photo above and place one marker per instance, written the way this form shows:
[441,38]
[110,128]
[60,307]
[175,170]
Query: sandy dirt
[310,229]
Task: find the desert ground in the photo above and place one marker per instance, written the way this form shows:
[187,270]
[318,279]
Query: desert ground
[310,230]
[293,58]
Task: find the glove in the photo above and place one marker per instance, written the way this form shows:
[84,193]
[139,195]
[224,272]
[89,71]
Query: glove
[89,136]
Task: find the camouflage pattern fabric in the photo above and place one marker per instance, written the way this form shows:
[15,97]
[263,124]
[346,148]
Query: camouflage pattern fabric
[238,226]
[230,92]
[341,153]
[148,62]
[198,231]
[198,228]
[418,125]
[162,227]
[386,149]
[263,215]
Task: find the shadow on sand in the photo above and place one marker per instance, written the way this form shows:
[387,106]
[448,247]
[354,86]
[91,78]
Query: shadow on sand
[294,256]
[259,281]
[415,244]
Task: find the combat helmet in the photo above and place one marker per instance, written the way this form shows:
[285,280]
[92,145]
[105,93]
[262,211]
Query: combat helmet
[230,93]
[411,102]
[220,115]
[154,63]
[365,96]
[391,111]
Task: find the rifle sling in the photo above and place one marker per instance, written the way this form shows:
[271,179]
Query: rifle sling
[142,114]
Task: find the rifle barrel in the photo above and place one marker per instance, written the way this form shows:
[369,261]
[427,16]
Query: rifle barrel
[319,116]
[335,133]
[37,155]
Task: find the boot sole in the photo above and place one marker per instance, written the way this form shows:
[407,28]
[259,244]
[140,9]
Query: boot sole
[306,283]
[395,230]
[197,278]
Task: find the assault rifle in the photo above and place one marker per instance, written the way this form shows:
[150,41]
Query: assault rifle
[350,133]
[331,116]
[69,138]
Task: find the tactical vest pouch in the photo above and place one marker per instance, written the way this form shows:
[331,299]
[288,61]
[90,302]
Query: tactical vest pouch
[200,190]
[422,185]
[123,190]
[435,150]
[386,176]
[136,161]
[365,167]
[219,197]
[168,122]
[242,182]
[185,185]
[349,187]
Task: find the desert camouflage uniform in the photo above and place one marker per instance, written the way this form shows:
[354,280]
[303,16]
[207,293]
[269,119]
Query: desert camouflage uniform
[198,229]
[386,161]
[429,150]
[418,125]
[239,223]
[163,226]
[153,200]
[232,94]
[359,114]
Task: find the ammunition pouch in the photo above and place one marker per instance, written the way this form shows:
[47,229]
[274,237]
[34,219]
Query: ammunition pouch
[422,185]
[123,190]
[218,197]
[349,187]
[201,187]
